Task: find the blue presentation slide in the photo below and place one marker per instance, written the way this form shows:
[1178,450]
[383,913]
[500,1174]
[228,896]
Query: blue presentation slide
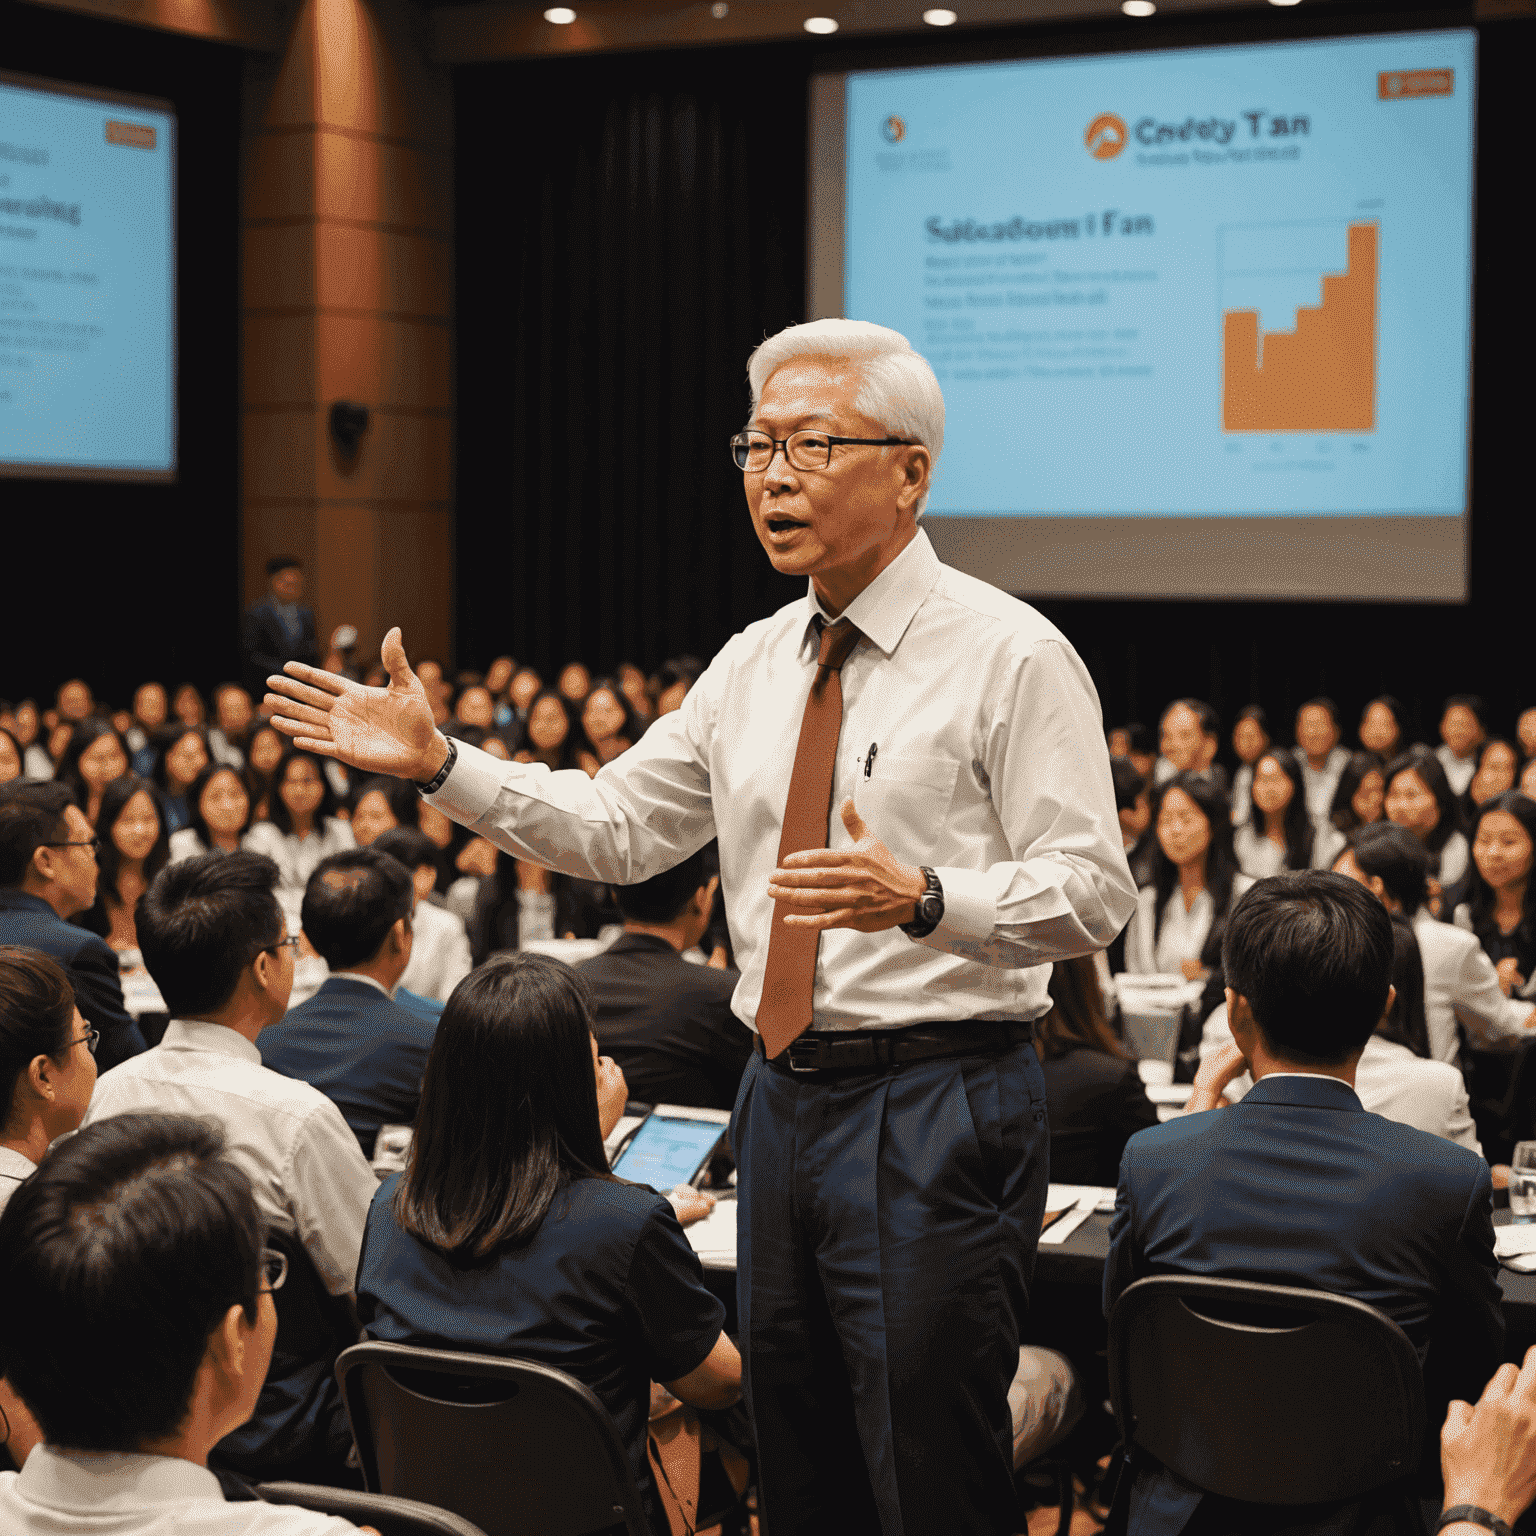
[87,284]
[1204,282]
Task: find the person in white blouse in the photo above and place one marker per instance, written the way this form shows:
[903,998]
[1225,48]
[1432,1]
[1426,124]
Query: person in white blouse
[1420,797]
[1250,740]
[1462,730]
[1357,802]
[1461,986]
[1280,834]
[142,1349]
[1322,758]
[302,827]
[1176,927]
[219,806]
[971,839]
[440,957]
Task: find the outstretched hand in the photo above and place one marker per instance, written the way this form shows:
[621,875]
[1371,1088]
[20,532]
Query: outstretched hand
[380,730]
[864,887]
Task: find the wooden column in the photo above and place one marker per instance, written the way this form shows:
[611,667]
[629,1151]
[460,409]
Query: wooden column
[347,287]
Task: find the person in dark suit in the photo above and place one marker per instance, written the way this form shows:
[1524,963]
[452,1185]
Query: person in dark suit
[1298,1185]
[277,629]
[48,874]
[352,1040]
[668,1023]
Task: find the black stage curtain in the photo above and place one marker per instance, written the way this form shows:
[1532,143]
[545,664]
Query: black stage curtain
[629,227]
[119,583]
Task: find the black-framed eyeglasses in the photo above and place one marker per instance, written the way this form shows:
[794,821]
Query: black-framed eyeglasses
[274,1270]
[88,1040]
[93,843]
[754,451]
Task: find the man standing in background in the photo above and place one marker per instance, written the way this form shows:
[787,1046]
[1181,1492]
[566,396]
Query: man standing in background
[277,629]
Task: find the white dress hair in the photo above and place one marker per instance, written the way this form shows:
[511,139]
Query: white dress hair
[897,388]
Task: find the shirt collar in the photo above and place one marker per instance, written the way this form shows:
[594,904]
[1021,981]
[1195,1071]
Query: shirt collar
[884,609]
[358,976]
[97,1481]
[17,1164]
[200,1035]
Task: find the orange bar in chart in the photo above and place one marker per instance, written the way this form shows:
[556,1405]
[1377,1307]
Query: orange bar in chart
[1321,377]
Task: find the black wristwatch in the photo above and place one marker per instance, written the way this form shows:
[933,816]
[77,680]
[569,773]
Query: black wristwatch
[930,908]
[435,783]
[1475,1516]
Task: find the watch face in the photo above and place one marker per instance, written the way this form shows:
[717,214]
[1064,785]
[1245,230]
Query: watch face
[931,908]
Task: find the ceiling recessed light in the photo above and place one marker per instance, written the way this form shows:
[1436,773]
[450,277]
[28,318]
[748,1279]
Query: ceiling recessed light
[940,18]
[1137,7]
[560,15]
[820,24]
[719,10]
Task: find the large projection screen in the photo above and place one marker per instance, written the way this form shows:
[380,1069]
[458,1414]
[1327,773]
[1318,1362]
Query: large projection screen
[1202,317]
[87,283]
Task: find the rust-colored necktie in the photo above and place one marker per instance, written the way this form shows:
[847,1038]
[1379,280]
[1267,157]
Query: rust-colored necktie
[784,1011]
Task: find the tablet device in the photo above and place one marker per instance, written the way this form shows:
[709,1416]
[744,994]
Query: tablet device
[673,1146]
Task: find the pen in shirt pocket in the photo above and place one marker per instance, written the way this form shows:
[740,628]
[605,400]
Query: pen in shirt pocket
[869,762]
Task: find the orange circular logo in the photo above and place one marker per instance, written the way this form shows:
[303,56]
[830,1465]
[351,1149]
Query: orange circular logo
[1106,136]
[893,130]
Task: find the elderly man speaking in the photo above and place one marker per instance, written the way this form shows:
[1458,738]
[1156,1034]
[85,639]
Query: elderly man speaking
[890,1128]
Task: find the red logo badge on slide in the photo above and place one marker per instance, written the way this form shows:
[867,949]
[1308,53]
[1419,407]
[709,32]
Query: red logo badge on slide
[893,130]
[1106,136]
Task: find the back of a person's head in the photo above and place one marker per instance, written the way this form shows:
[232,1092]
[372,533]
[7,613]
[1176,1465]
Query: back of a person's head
[410,845]
[352,901]
[508,1108]
[31,814]
[1128,783]
[1397,858]
[37,1008]
[1406,1022]
[1312,954]
[1077,1016]
[202,921]
[662,898]
[118,1258]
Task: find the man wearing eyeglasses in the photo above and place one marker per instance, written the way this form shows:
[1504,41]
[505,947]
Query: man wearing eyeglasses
[907,775]
[48,874]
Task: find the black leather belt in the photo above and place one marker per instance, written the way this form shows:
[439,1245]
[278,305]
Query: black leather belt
[861,1050]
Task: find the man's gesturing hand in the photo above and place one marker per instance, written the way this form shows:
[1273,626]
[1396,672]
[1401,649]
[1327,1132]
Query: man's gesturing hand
[381,730]
[1488,1453]
[865,887]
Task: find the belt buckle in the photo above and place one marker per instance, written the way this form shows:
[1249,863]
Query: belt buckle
[793,1047]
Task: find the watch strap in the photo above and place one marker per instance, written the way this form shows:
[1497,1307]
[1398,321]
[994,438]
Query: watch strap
[1473,1515]
[436,782]
[920,928]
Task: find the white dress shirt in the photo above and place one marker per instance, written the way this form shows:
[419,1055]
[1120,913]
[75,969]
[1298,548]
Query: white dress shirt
[1454,858]
[990,766]
[14,1170]
[1321,783]
[103,1493]
[185,843]
[1182,935]
[1242,794]
[439,953]
[309,1175]
[1462,984]
[1389,1081]
[1257,855]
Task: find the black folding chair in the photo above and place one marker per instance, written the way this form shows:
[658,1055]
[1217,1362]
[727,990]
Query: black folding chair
[518,1448]
[389,1516]
[1267,1394]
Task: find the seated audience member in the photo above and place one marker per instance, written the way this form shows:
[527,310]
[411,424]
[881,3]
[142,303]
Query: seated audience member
[1501,896]
[1461,986]
[574,683]
[221,812]
[1396,1076]
[351,1040]
[474,707]
[1419,797]
[234,712]
[382,803]
[1357,802]
[1180,915]
[1093,1091]
[60,733]
[301,828]
[262,756]
[1488,1451]
[440,957]
[215,941]
[1133,803]
[1279,834]
[632,682]
[140,1326]
[666,1022]
[609,726]
[1188,741]
[151,708]
[1498,764]
[1525,734]
[1250,741]
[181,754]
[95,756]
[1134,741]
[188,707]
[1395,1218]
[1527,784]
[519,903]
[549,738]
[1462,731]
[525,687]
[132,850]
[73,701]
[12,757]
[1322,759]
[35,758]
[1381,728]
[506,1234]
[673,680]
[48,873]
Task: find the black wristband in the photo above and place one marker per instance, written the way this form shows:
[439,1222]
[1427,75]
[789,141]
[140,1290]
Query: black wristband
[435,783]
[1474,1516]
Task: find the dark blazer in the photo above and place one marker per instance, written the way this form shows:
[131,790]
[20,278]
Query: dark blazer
[266,643]
[361,1049]
[668,1023]
[1095,1103]
[89,963]
[1298,1185]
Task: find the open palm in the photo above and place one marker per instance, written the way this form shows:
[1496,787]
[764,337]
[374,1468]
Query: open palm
[380,730]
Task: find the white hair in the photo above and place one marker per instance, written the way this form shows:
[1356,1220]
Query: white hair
[897,388]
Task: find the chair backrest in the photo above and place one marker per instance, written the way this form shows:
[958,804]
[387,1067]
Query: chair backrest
[385,1513]
[519,1448]
[1269,1394]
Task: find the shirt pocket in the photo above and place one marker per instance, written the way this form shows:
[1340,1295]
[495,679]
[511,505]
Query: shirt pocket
[905,802]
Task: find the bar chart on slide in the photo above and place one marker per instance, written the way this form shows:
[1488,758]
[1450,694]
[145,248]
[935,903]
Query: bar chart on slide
[1299,307]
